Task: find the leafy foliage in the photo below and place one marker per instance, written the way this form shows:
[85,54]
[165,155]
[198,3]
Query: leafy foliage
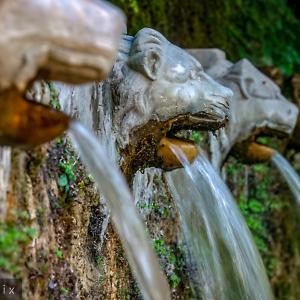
[54,100]
[166,253]
[12,240]
[265,31]
[67,166]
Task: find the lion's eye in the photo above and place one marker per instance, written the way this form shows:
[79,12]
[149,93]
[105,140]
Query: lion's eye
[178,73]
[196,74]
[180,77]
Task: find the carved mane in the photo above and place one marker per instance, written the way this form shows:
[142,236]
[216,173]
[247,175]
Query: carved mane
[130,85]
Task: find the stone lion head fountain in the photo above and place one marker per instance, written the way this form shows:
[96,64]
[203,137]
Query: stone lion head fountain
[157,90]
[257,109]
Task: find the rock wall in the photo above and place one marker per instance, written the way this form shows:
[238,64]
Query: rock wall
[69,249]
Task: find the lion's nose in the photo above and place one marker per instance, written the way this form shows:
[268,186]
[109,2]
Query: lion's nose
[224,96]
[228,94]
[293,113]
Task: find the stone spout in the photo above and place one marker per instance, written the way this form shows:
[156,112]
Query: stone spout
[169,159]
[259,153]
[254,153]
[26,123]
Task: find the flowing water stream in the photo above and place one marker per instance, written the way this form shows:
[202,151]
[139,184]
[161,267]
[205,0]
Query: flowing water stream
[290,175]
[131,230]
[228,265]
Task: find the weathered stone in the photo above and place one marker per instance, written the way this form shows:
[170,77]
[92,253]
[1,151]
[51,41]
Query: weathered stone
[73,41]
[257,108]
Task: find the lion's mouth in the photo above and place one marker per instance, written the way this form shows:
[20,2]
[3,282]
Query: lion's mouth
[198,121]
[151,144]
[181,126]
[274,129]
[260,146]
[272,136]
[178,135]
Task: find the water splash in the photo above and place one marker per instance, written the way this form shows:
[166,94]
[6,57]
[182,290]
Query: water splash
[113,186]
[290,175]
[228,264]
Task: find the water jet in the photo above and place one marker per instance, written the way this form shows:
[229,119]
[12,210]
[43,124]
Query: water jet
[220,244]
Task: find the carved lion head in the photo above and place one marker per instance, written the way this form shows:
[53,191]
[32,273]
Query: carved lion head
[258,102]
[257,109]
[159,89]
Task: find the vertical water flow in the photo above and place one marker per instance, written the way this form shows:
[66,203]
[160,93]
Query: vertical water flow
[220,244]
[113,186]
[290,175]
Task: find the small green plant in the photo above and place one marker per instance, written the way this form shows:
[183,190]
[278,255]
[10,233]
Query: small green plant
[233,168]
[12,240]
[175,280]
[174,263]
[59,141]
[73,181]
[64,291]
[151,206]
[260,168]
[59,254]
[68,175]
[161,209]
[196,137]
[54,100]
[67,166]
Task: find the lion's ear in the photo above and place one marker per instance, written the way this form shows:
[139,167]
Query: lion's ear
[152,64]
[147,62]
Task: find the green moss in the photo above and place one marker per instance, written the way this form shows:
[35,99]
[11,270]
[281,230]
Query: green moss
[197,137]
[172,258]
[64,291]
[13,239]
[259,206]
[161,210]
[59,254]
[265,31]
[54,100]
[68,167]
